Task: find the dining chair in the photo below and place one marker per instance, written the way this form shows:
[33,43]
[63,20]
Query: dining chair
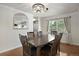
[27,48]
[51,48]
[23,39]
[55,45]
[53,32]
[30,35]
[59,38]
[45,50]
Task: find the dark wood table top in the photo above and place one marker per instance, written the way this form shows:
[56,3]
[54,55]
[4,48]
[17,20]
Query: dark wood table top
[44,39]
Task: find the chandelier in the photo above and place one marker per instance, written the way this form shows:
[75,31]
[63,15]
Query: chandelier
[39,8]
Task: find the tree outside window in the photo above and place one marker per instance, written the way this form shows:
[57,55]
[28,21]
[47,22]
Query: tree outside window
[56,25]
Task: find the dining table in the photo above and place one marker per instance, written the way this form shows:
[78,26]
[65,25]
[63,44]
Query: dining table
[40,41]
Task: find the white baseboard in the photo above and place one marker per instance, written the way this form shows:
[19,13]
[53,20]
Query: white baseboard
[72,43]
[2,51]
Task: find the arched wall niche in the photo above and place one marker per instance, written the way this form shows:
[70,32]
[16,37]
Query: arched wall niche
[20,21]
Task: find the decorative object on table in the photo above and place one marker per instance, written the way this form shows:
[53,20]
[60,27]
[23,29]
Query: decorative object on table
[35,24]
[20,21]
[39,34]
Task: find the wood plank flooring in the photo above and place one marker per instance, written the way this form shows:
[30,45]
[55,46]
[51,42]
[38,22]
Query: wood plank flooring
[13,52]
[65,50]
[69,50]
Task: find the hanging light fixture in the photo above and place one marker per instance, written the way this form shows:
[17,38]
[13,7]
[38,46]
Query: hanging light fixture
[39,8]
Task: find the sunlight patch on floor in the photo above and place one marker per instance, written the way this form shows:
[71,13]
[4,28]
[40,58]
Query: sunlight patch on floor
[63,54]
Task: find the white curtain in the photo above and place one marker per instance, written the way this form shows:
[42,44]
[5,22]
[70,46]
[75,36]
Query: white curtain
[67,22]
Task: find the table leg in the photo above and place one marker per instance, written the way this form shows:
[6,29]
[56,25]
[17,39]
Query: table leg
[38,51]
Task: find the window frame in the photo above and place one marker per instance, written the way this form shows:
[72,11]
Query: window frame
[57,25]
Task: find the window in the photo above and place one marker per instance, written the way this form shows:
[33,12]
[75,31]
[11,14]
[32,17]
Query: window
[56,25]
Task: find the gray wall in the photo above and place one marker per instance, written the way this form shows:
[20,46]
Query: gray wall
[9,38]
[44,25]
[74,27]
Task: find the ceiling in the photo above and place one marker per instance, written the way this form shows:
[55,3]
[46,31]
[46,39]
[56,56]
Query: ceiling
[53,8]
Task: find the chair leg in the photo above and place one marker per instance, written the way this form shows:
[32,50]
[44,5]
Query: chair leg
[58,50]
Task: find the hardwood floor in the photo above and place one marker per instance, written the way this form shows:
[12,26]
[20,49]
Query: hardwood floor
[69,50]
[65,50]
[13,52]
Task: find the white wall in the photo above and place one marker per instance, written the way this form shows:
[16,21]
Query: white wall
[74,27]
[9,38]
